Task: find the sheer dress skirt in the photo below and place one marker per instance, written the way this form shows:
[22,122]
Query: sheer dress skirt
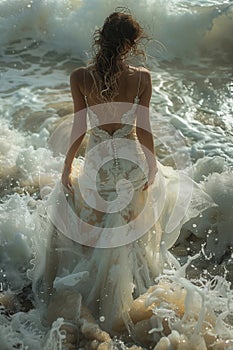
[109,232]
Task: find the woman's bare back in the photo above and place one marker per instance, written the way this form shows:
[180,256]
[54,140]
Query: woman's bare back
[131,85]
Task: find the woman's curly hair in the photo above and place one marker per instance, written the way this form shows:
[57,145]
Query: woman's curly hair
[118,37]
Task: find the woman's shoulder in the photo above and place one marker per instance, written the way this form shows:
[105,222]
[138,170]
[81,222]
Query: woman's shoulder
[139,69]
[144,77]
[142,72]
[81,75]
[81,70]
[145,72]
[77,72]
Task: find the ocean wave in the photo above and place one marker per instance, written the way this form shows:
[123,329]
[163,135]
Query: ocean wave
[186,32]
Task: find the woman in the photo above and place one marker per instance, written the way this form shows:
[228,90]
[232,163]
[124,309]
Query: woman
[115,81]
[109,226]
[113,93]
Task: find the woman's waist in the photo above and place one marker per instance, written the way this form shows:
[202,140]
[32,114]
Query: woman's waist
[107,139]
[116,148]
[104,133]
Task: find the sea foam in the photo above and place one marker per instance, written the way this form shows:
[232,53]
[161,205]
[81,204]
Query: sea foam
[67,26]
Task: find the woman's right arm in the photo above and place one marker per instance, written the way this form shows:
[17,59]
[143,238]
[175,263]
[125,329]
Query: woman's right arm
[79,125]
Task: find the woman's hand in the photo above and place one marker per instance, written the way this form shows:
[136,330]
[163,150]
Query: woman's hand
[151,177]
[66,178]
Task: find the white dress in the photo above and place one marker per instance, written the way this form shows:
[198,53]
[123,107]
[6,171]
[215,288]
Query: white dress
[111,237]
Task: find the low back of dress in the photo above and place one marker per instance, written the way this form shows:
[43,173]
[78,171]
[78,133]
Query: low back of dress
[110,113]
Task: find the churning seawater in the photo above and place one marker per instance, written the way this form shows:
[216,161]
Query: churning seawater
[190,57]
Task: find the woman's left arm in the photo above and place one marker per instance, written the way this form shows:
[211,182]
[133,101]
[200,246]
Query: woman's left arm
[143,128]
[79,125]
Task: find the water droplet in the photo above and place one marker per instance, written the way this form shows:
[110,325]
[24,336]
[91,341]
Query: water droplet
[102,318]
[194,225]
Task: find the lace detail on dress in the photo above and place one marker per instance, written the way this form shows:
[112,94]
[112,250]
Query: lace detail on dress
[128,120]
[108,144]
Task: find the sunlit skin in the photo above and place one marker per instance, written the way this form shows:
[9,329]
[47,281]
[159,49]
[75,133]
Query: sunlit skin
[127,91]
